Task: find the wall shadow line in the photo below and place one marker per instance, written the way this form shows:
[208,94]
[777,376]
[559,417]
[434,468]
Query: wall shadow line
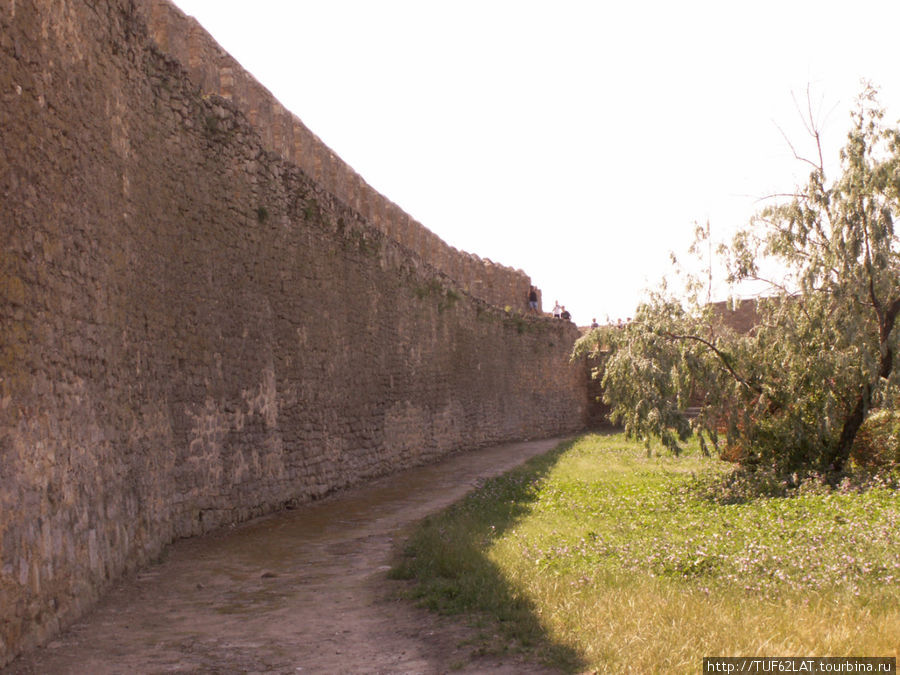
[445,558]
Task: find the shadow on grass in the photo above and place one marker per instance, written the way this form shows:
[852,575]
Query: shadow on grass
[446,558]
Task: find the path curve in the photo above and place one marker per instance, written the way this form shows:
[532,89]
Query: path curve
[303,591]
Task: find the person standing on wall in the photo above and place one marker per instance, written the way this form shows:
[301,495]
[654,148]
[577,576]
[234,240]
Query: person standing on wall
[557,310]
[533,299]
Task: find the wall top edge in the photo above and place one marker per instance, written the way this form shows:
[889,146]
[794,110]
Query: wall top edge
[170,28]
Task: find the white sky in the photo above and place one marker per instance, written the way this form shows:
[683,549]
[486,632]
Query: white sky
[577,140]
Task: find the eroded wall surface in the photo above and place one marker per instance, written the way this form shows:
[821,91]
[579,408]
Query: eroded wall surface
[195,329]
[216,72]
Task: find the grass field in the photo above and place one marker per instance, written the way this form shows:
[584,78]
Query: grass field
[597,557]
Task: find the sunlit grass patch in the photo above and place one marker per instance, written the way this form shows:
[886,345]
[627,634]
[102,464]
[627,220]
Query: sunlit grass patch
[599,557]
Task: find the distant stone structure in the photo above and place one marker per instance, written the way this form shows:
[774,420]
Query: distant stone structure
[205,315]
[741,316]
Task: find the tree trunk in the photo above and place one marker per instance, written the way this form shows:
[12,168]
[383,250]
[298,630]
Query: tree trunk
[841,453]
[839,456]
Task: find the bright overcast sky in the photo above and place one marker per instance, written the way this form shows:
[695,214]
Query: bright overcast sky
[579,141]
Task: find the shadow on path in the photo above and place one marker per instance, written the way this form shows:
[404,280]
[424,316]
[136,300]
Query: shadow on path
[447,560]
[303,591]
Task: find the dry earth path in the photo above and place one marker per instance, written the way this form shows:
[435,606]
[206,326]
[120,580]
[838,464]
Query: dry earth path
[303,591]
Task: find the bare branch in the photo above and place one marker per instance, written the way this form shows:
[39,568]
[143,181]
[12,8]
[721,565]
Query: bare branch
[776,195]
[798,156]
[809,121]
[773,284]
[814,129]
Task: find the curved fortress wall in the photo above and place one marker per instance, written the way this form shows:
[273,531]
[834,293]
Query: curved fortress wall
[216,72]
[199,325]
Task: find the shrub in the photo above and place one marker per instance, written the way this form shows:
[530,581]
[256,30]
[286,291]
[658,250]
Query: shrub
[878,440]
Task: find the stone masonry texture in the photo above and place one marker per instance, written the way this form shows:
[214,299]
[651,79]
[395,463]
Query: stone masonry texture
[206,316]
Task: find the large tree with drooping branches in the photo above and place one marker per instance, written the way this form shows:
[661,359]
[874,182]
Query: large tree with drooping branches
[794,391]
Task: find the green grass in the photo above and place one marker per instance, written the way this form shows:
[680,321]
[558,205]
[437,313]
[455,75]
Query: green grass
[598,557]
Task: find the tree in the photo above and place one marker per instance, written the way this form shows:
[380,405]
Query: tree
[794,391]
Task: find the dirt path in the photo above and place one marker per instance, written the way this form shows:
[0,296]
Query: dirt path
[304,591]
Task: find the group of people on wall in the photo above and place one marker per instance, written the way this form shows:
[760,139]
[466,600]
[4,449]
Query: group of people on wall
[560,311]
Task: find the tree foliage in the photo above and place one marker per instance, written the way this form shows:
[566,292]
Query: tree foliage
[793,392]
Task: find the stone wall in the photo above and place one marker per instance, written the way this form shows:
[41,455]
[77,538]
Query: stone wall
[216,72]
[196,328]
[741,317]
